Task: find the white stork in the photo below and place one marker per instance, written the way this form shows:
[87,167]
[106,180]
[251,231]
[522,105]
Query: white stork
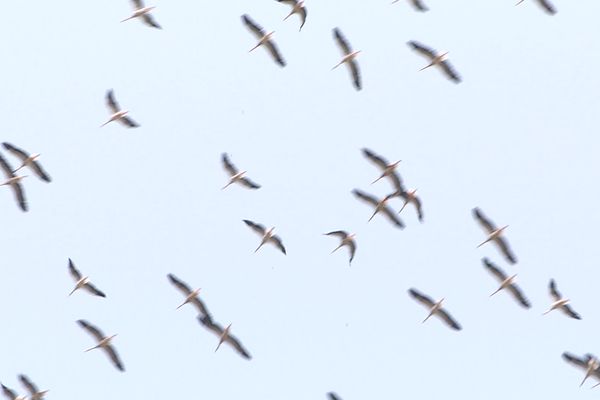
[224,336]
[236,175]
[35,393]
[298,7]
[560,302]
[349,57]
[347,239]
[191,296]
[28,160]
[506,282]
[267,235]
[380,206]
[435,58]
[435,308]
[143,13]
[14,181]
[264,38]
[545,4]
[588,362]
[117,113]
[104,342]
[83,282]
[495,235]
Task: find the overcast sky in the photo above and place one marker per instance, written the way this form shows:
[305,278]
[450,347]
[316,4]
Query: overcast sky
[517,138]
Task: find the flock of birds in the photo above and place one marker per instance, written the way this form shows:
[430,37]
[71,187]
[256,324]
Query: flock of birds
[388,170]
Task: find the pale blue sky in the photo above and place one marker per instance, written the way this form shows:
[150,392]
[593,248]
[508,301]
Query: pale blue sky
[517,138]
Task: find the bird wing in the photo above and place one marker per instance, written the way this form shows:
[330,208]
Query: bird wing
[483,221]
[17,152]
[579,362]
[248,183]
[137,4]
[424,50]
[232,340]
[303,14]
[366,197]
[450,71]
[94,331]
[397,182]
[392,216]
[419,208]
[419,5]
[258,228]
[31,387]
[111,102]
[547,6]
[340,234]
[570,312]
[74,271]
[39,171]
[554,291]
[253,26]
[200,306]
[277,241]
[352,247]
[208,323]
[272,47]
[518,294]
[341,41]
[333,396]
[494,270]
[290,2]
[93,290]
[128,122]
[375,158]
[8,171]
[353,65]
[114,357]
[149,20]
[185,289]
[228,165]
[443,314]
[420,297]
[503,244]
[19,195]
[11,394]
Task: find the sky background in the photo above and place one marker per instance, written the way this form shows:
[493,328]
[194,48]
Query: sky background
[518,138]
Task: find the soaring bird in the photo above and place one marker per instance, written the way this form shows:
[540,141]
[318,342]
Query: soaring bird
[545,4]
[417,4]
[346,240]
[495,235]
[435,308]
[435,58]
[82,281]
[298,7]
[560,302]
[349,57]
[35,393]
[28,160]
[380,206]
[224,336]
[588,362]
[14,181]
[191,296]
[387,169]
[267,235]
[143,13]
[264,38]
[104,342]
[117,113]
[11,394]
[236,175]
[410,196]
[506,282]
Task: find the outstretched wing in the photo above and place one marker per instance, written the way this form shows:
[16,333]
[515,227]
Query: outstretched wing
[421,298]
[366,197]
[111,102]
[114,357]
[422,49]
[74,271]
[248,183]
[342,41]
[554,291]
[497,272]
[258,228]
[519,296]
[546,5]
[503,244]
[275,53]
[228,165]
[446,317]
[450,72]
[31,387]
[277,241]
[93,290]
[483,221]
[150,21]
[94,331]
[570,312]
[253,26]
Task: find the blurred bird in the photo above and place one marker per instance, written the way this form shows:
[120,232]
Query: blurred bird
[104,342]
[506,282]
[264,38]
[14,181]
[297,8]
[224,336]
[191,296]
[346,240]
[588,362]
[143,13]
[495,235]
[28,160]
[35,393]
[435,58]
[380,206]
[349,57]
[236,175]
[267,235]
[560,302]
[82,281]
[435,308]
[117,113]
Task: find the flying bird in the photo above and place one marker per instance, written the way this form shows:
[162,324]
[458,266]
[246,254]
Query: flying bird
[267,235]
[117,113]
[14,181]
[143,13]
[560,302]
[346,240]
[380,206]
[28,160]
[297,8]
[191,296]
[349,57]
[545,4]
[417,4]
[224,336]
[11,394]
[83,282]
[35,393]
[588,362]
[236,175]
[333,396]
[410,196]
[104,342]
[387,169]
[435,308]
[435,58]
[495,235]
[506,282]
[264,38]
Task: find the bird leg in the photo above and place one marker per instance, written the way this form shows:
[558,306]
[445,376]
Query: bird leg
[226,186]
[337,248]
[261,245]
[497,290]
[374,214]
[404,205]
[487,240]
[427,66]
[255,47]
[183,304]
[337,65]
[429,316]
[92,348]
[378,179]
[290,14]
[128,18]
[73,291]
